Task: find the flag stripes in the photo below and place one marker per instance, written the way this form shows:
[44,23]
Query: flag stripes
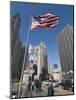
[45,21]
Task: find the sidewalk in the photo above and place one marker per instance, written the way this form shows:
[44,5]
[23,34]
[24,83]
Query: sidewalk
[35,94]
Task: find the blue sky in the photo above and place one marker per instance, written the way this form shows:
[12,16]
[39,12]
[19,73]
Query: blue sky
[48,36]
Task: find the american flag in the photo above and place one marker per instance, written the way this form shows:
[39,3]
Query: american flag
[44,21]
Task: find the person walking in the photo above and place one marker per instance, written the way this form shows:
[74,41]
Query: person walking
[29,85]
[40,84]
[32,85]
[37,84]
[50,90]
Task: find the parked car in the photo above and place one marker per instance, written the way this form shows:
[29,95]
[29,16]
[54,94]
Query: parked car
[68,85]
[55,83]
[46,82]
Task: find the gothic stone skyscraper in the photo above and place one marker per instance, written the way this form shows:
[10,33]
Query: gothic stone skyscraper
[39,55]
[42,61]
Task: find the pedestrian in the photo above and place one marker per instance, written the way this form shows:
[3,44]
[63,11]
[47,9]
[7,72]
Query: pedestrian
[37,85]
[33,86]
[29,85]
[50,90]
[40,83]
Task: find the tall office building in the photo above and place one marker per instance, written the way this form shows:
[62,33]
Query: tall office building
[17,53]
[65,44]
[21,59]
[17,50]
[55,66]
[15,26]
[15,45]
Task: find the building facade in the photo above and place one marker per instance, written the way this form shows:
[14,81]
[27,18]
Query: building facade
[65,44]
[15,45]
[55,66]
[17,50]
[42,61]
[38,57]
[55,72]
[15,27]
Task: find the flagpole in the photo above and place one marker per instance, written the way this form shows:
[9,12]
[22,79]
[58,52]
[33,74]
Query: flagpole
[26,48]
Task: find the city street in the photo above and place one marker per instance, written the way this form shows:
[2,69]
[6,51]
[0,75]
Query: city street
[61,91]
[57,91]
